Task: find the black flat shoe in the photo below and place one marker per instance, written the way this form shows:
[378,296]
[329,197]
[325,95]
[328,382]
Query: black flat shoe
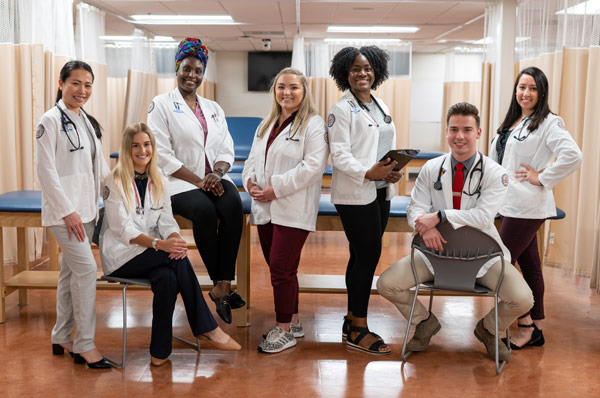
[223,307]
[536,340]
[235,300]
[101,364]
[57,349]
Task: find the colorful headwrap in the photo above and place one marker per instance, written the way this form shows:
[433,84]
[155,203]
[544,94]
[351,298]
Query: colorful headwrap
[190,47]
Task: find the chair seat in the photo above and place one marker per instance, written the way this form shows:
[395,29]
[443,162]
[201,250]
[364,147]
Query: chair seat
[129,281]
[478,289]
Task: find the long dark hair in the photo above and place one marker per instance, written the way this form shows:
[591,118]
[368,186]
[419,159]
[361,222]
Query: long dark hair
[65,73]
[541,110]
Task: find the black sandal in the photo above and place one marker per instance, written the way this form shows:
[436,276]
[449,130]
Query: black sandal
[346,328]
[536,340]
[362,333]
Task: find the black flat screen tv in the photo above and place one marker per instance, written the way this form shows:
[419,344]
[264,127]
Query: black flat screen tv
[263,66]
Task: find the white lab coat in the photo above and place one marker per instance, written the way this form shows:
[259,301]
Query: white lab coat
[353,139]
[121,223]
[294,169]
[475,212]
[180,138]
[67,177]
[551,139]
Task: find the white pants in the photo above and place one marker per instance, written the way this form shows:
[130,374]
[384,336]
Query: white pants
[515,295]
[76,290]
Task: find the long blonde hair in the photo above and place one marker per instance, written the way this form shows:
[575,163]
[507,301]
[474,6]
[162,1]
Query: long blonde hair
[305,111]
[123,173]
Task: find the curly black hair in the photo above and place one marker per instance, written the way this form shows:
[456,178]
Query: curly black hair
[343,60]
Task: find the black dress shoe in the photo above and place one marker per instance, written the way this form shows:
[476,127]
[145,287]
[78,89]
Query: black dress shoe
[101,364]
[223,307]
[235,300]
[536,340]
[57,349]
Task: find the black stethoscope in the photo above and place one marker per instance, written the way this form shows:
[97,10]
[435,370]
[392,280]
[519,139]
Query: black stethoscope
[65,120]
[437,185]
[288,138]
[386,118]
[519,137]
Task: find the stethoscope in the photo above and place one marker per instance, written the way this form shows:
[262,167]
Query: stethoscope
[437,185]
[65,120]
[386,118]
[288,138]
[519,137]
[139,209]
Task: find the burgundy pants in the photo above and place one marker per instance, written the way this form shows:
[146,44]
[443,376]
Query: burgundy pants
[519,236]
[282,247]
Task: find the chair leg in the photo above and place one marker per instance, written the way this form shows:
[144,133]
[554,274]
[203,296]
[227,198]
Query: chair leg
[196,345]
[499,366]
[405,354]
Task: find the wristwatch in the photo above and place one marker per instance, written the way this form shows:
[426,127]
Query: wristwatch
[155,243]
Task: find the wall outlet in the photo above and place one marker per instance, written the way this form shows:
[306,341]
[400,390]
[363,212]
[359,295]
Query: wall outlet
[551,238]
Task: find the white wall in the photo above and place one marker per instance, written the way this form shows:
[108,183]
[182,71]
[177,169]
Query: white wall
[232,87]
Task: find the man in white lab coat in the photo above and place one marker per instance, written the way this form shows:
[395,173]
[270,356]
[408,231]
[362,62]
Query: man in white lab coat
[436,198]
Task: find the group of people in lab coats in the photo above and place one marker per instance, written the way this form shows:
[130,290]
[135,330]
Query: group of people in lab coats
[178,163]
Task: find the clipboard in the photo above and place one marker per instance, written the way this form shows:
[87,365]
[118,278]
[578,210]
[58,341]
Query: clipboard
[402,156]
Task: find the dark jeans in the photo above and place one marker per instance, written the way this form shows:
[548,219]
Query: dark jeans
[519,236]
[364,226]
[169,277]
[218,245]
[282,247]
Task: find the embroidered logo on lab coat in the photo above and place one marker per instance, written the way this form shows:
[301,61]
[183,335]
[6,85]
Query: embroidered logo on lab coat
[561,125]
[177,107]
[105,193]
[151,107]
[505,179]
[40,131]
[330,120]
[353,107]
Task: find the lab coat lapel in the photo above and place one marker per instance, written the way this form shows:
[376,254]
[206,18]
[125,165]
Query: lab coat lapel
[185,108]
[447,181]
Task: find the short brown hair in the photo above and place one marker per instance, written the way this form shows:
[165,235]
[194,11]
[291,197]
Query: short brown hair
[463,109]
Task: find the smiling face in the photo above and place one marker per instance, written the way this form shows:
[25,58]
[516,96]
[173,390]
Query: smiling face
[190,75]
[361,75]
[141,151]
[289,92]
[76,89]
[527,94]
[462,135]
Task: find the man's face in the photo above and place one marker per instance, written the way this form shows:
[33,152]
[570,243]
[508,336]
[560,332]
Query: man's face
[462,134]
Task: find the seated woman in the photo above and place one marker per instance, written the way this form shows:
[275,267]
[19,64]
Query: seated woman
[140,239]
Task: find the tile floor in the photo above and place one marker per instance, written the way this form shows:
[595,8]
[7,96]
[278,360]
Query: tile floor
[455,365]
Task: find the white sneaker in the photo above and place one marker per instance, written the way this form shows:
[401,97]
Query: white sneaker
[277,340]
[297,330]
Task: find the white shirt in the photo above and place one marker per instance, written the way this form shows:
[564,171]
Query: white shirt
[475,211]
[122,224]
[180,137]
[294,169]
[66,175]
[551,139]
[353,142]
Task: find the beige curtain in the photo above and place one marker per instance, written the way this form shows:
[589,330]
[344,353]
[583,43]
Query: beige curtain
[595,280]
[141,89]
[116,93]
[457,92]
[486,107]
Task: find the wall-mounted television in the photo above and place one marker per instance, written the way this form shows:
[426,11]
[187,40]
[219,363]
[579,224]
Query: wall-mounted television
[263,66]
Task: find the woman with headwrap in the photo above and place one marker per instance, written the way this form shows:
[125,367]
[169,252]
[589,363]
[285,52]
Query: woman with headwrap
[195,150]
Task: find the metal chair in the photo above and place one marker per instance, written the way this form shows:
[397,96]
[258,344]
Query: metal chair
[126,282]
[456,268]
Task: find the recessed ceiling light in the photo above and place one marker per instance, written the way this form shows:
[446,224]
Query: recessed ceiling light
[151,19]
[372,29]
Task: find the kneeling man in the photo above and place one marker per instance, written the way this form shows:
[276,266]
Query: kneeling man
[462,188]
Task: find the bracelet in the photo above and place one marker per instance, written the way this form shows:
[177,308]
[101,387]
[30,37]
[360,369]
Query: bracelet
[220,171]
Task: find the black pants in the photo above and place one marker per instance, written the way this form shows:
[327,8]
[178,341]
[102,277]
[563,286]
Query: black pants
[364,226]
[218,246]
[169,277]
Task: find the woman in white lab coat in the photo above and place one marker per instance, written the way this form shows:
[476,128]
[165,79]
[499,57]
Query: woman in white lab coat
[70,167]
[361,132]
[528,140]
[140,239]
[283,175]
[195,150]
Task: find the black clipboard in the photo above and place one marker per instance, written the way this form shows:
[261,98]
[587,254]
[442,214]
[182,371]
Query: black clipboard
[402,156]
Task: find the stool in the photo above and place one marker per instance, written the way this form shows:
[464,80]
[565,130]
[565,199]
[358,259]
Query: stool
[140,282]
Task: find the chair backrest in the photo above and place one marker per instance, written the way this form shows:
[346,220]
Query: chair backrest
[467,250]
[242,131]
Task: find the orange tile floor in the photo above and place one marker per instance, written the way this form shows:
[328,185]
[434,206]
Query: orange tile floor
[455,365]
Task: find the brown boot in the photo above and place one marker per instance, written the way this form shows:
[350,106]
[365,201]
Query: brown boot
[488,341]
[425,330]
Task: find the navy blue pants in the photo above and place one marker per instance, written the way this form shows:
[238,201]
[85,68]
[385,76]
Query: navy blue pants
[169,277]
